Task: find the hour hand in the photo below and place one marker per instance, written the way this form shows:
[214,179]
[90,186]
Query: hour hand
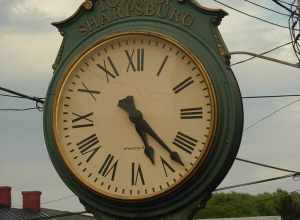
[149,151]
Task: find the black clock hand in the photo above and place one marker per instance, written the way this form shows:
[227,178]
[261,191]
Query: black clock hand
[173,154]
[136,117]
[149,151]
[128,105]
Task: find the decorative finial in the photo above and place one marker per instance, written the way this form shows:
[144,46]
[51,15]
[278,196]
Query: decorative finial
[88,4]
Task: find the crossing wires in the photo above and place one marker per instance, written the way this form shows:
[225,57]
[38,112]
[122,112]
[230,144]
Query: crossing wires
[17,95]
[293,20]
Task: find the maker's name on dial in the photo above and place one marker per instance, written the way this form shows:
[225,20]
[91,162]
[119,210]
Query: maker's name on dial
[133,148]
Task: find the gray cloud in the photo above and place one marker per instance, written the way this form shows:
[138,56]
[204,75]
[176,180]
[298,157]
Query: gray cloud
[12,22]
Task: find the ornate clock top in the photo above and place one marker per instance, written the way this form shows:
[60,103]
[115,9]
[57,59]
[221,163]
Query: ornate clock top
[89,5]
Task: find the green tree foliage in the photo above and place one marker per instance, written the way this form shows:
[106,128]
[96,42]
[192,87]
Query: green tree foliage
[228,205]
[288,206]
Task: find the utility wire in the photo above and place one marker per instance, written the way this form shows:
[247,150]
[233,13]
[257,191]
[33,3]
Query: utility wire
[18,109]
[36,99]
[287,3]
[266,52]
[19,95]
[266,8]
[257,182]
[10,96]
[297,65]
[252,16]
[285,7]
[60,215]
[271,96]
[57,200]
[266,166]
[272,114]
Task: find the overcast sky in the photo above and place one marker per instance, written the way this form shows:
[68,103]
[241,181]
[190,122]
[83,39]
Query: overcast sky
[28,47]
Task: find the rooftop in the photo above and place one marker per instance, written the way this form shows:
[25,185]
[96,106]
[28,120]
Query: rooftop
[249,218]
[20,214]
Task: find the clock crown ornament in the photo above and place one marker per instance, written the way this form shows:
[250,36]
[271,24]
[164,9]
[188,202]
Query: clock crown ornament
[143,117]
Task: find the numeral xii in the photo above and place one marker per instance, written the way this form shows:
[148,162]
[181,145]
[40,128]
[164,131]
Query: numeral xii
[136,59]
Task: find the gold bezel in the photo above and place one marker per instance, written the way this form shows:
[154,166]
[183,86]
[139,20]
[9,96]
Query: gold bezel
[58,95]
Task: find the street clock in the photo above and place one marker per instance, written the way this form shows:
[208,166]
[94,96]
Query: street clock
[143,117]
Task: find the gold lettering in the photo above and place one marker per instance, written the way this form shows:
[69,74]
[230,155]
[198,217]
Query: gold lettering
[175,15]
[100,5]
[150,9]
[105,19]
[110,10]
[188,20]
[83,29]
[92,22]
[130,7]
[165,2]
[139,7]
[116,13]
[161,12]
[113,3]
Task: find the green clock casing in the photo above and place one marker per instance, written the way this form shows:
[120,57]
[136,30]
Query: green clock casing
[143,116]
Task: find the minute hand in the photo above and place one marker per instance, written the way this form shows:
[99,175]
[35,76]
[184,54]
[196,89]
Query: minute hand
[173,154]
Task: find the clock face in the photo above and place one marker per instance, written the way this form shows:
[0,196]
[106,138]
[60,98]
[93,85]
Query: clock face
[134,117]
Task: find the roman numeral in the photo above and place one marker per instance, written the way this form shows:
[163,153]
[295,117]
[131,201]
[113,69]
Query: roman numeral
[92,93]
[162,66]
[135,60]
[181,86]
[82,121]
[185,142]
[111,72]
[90,146]
[166,166]
[109,167]
[191,113]
[136,175]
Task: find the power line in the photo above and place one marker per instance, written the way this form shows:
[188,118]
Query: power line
[272,114]
[297,65]
[60,215]
[10,96]
[266,165]
[252,16]
[18,109]
[285,7]
[287,3]
[19,95]
[266,8]
[57,200]
[257,182]
[36,99]
[294,19]
[271,96]
[266,52]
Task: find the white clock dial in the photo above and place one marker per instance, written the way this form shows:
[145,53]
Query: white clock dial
[95,136]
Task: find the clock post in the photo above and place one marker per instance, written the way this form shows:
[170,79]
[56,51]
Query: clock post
[143,117]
